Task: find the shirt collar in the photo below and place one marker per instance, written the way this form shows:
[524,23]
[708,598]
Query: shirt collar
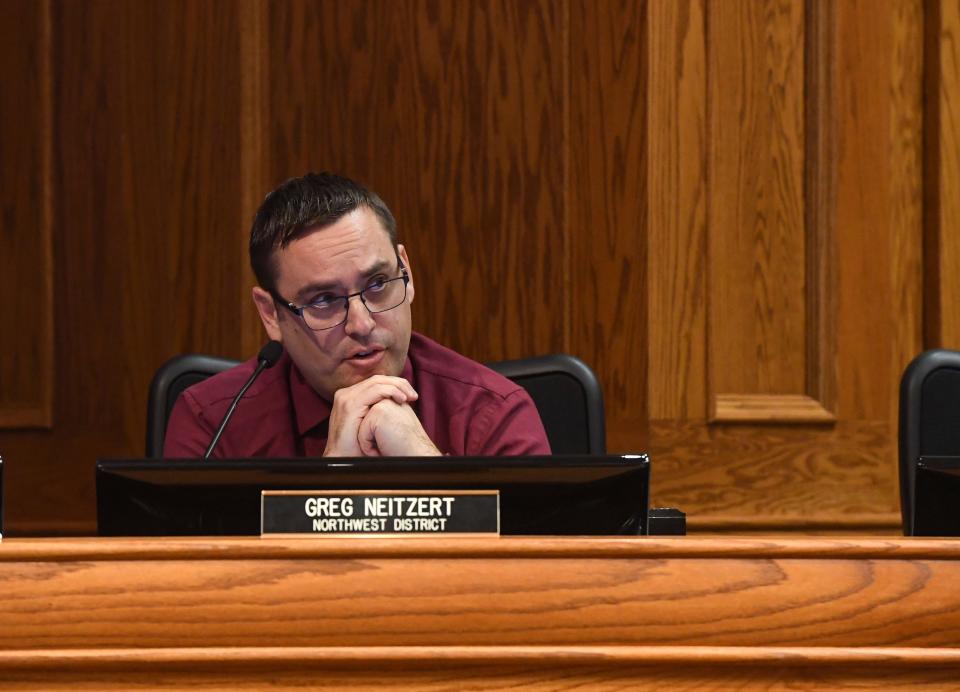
[310,408]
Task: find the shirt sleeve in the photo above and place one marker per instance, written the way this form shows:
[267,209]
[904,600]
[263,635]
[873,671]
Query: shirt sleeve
[509,426]
[188,432]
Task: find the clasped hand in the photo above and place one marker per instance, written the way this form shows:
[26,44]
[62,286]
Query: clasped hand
[375,418]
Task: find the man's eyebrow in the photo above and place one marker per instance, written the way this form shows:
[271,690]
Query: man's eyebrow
[312,289]
[378,267]
[333,287]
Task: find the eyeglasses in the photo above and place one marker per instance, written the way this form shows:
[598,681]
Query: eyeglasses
[331,311]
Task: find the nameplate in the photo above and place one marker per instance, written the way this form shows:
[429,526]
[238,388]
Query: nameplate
[379,512]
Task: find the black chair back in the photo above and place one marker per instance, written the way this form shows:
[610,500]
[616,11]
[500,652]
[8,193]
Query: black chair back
[170,380]
[567,395]
[929,419]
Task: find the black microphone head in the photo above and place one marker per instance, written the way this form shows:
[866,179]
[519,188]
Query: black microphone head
[270,353]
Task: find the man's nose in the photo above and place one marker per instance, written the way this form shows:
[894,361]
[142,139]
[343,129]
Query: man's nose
[359,319]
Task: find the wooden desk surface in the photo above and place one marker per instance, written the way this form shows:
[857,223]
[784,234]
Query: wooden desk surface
[443,613]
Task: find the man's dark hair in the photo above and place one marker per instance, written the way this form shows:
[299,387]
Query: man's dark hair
[301,205]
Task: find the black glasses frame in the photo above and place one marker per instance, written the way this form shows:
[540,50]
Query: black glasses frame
[298,309]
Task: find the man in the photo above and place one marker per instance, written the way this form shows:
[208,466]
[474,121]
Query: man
[335,288]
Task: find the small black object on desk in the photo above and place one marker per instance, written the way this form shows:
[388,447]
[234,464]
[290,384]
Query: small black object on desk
[666,521]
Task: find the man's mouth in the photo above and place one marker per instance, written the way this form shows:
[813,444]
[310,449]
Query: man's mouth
[364,356]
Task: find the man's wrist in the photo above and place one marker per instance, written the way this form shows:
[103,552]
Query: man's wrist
[427,448]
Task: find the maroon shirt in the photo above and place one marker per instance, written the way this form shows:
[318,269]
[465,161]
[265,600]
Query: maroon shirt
[465,408]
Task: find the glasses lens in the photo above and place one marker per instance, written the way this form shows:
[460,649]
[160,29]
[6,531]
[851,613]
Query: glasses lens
[385,295]
[326,315]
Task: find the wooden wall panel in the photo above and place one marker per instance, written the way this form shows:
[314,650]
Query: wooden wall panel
[822,153]
[756,233]
[878,219]
[146,154]
[26,216]
[906,193]
[942,175]
[676,210]
[149,154]
[254,131]
[453,113]
[860,167]
[607,189]
[768,260]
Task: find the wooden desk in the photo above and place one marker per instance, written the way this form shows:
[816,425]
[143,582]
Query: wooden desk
[480,612]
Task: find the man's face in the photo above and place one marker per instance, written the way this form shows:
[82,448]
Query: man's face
[339,259]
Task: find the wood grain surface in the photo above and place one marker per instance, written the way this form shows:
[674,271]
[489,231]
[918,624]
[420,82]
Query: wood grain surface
[26,216]
[577,592]
[906,136]
[252,19]
[145,146]
[145,550]
[879,250]
[942,175]
[768,408]
[606,190]
[677,208]
[487,612]
[429,668]
[776,475]
[757,240]
[822,142]
[149,157]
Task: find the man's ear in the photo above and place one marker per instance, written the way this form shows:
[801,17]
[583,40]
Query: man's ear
[402,251]
[268,312]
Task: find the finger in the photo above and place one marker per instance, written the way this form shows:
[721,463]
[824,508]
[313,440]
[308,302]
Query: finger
[367,438]
[364,397]
[368,446]
[398,382]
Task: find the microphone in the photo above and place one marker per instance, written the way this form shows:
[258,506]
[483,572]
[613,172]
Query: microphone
[267,358]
